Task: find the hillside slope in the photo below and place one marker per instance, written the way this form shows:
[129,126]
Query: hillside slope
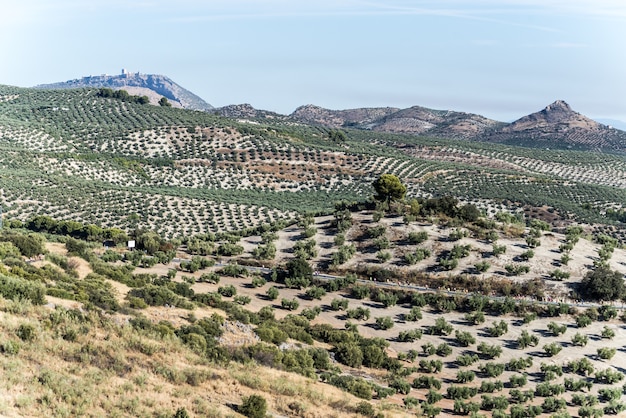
[153,85]
[71,154]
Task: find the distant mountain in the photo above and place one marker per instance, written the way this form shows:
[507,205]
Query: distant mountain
[152,85]
[556,126]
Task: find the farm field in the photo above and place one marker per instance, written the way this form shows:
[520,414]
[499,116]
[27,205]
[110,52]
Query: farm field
[492,285]
[445,349]
[74,155]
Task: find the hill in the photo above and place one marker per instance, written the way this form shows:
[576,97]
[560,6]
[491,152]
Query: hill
[263,267]
[122,333]
[152,85]
[556,126]
[72,154]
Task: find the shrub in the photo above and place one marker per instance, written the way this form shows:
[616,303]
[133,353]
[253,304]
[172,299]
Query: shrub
[489,351]
[498,329]
[339,304]
[414,314]
[517,364]
[491,369]
[464,338]
[253,406]
[401,386]
[443,350]
[552,349]
[582,366]
[546,389]
[606,353]
[384,322]
[466,359]
[426,382]
[227,291]
[441,327]
[409,335]
[583,321]
[607,333]
[475,318]
[18,288]
[527,340]
[272,293]
[461,392]
[517,380]
[417,237]
[487,386]
[365,408]
[465,376]
[557,329]
[290,304]
[315,292]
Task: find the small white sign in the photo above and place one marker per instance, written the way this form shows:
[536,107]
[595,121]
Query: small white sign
[131,244]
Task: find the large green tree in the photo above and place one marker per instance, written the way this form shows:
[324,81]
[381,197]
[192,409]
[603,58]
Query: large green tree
[603,284]
[388,187]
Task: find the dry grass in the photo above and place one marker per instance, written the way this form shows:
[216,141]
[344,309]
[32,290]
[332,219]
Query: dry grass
[111,370]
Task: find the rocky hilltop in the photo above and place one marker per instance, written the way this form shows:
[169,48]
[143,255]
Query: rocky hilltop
[152,85]
[556,126]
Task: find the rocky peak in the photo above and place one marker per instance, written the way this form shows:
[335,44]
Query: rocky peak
[558,114]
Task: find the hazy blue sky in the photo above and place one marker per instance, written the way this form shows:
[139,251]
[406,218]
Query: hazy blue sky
[503,59]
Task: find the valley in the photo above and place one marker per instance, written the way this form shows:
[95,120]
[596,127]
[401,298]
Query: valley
[267,264]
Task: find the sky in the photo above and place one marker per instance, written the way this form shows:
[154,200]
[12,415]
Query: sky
[502,59]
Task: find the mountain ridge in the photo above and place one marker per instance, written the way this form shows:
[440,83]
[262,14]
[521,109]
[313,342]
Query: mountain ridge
[555,126]
[154,86]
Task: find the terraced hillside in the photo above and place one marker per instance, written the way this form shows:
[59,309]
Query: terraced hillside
[71,154]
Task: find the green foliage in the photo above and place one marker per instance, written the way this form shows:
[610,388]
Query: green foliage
[18,288]
[583,321]
[339,304]
[441,327]
[123,96]
[464,338]
[475,318]
[272,293]
[290,304]
[358,313]
[552,349]
[465,376]
[466,359]
[417,237]
[498,329]
[489,351]
[602,284]
[409,335]
[384,322]
[253,406]
[489,386]
[582,366]
[388,187]
[519,363]
[606,353]
[557,329]
[426,382]
[491,369]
